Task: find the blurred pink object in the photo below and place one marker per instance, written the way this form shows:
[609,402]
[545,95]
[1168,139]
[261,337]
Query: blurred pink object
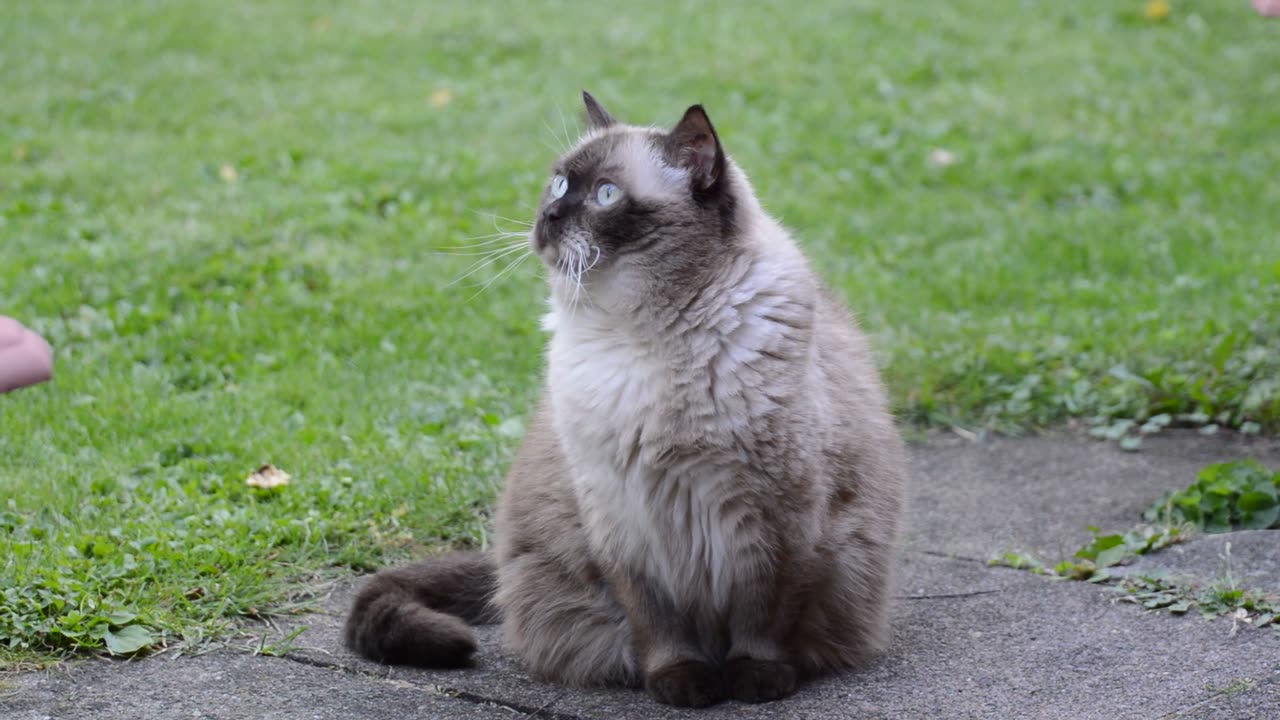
[25,357]
[1269,8]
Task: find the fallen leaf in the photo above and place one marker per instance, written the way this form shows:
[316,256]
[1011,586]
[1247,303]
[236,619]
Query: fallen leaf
[321,23]
[1240,615]
[268,477]
[1156,10]
[441,97]
[228,173]
[941,158]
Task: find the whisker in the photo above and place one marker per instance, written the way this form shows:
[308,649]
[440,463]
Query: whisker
[524,223]
[483,263]
[568,139]
[494,218]
[582,269]
[482,248]
[501,234]
[578,259]
[478,253]
[511,266]
[476,265]
[487,241]
[555,150]
[560,150]
[562,271]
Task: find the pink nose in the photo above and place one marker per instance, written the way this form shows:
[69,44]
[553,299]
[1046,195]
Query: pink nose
[1269,8]
[25,357]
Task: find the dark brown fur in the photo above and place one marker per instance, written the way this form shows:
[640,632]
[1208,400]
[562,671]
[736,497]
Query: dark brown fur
[418,614]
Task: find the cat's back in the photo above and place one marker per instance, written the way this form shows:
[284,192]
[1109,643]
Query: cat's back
[863,452]
[844,351]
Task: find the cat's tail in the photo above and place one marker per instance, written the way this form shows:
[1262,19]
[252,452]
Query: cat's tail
[419,614]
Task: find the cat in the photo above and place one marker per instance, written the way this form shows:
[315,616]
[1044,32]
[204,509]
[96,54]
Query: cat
[707,500]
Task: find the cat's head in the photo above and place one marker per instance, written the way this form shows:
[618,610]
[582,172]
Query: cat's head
[631,211]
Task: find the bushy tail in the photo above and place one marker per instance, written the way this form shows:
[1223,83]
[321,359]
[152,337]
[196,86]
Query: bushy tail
[419,614]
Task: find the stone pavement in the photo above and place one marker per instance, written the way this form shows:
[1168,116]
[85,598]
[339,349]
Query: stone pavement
[971,641]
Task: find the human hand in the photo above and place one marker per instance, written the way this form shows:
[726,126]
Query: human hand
[25,357]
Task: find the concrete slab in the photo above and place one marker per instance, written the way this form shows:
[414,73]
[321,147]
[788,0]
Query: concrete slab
[977,499]
[970,640]
[1247,699]
[226,685]
[1250,559]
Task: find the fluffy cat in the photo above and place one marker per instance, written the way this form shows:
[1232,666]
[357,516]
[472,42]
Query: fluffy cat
[707,500]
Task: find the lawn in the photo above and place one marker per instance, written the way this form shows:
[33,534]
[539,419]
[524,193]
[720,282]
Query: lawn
[227,218]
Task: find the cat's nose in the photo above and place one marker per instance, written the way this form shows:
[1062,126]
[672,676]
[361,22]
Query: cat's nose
[554,211]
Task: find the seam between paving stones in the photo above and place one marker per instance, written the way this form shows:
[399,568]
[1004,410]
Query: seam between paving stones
[441,690]
[947,556]
[544,711]
[946,596]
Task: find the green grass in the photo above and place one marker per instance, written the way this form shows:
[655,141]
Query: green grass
[223,216]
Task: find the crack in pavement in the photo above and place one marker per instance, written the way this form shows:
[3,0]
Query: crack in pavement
[1261,683]
[1193,706]
[947,556]
[945,596]
[441,690]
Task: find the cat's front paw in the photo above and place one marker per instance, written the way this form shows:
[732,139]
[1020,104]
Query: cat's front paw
[690,683]
[756,681]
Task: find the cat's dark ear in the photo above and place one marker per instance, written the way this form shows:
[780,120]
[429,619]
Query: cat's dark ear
[696,148]
[597,117]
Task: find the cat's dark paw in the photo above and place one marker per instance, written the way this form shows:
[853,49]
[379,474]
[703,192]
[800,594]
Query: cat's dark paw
[686,684]
[756,681]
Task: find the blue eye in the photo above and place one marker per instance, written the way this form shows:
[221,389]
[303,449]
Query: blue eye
[559,186]
[608,194]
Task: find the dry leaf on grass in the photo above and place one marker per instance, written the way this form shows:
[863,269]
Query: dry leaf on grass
[941,158]
[268,477]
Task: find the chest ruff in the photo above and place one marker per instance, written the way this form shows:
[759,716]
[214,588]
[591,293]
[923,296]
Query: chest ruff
[658,439]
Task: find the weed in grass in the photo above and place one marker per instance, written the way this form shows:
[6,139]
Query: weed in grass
[278,648]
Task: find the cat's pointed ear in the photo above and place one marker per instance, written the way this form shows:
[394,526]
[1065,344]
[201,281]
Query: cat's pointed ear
[697,148]
[597,117]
